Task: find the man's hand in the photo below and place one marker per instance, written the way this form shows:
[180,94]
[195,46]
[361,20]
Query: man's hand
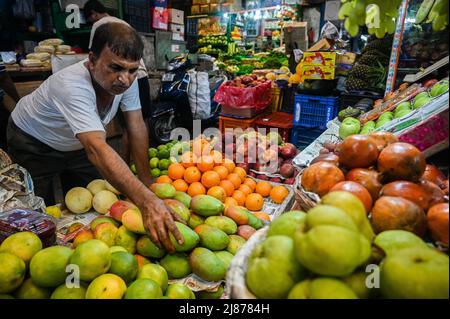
[159,223]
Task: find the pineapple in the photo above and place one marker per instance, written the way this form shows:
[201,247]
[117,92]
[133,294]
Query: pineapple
[355,84]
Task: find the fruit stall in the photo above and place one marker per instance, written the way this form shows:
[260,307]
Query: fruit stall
[324,178]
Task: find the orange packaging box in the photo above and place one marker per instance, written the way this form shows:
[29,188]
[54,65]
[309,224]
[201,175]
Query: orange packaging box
[315,72]
[319,58]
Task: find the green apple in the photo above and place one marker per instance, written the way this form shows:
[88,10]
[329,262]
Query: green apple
[439,88]
[286,224]
[415,273]
[402,113]
[154,162]
[322,288]
[349,127]
[392,240]
[368,127]
[383,122]
[403,106]
[386,115]
[320,250]
[351,204]
[273,269]
[421,102]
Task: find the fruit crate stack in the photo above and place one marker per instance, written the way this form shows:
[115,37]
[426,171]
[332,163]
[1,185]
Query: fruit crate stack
[311,116]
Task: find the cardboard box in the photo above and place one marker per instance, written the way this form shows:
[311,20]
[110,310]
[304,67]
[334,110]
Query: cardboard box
[177,36]
[296,36]
[160,18]
[244,113]
[176,16]
[195,9]
[321,45]
[214,8]
[194,2]
[204,8]
[315,72]
[319,59]
[176,28]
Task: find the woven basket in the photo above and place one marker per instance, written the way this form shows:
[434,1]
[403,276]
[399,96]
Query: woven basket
[236,287]
[304,200]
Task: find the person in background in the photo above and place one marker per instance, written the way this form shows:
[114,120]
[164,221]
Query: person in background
[95,12]
[6,87]
[59,129]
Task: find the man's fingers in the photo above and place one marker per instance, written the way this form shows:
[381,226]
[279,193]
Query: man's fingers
[178,218]
[174,230]
[153,234]
[164,236]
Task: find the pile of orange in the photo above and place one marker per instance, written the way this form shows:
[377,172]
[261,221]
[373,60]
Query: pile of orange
[199,174]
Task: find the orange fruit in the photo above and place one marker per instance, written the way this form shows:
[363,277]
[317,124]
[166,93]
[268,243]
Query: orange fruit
[200,147]
[222,171]
[230,201]
[217,156]
[235,179]
[205,164]
[196,188]
[227,186]
[241,172]
[254,202]
[188,159]
[229,164]
[180,185]
[239,196]
[262,215]
[176,171]
[278,194]
[217,192]
[210,179]
[192,175]
[245,189]
[250,183]
[164,179]
[263,188]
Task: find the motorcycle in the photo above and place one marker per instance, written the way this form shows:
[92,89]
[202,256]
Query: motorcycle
[172,109]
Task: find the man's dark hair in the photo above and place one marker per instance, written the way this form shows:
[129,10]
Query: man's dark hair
[121,39]
[93,5]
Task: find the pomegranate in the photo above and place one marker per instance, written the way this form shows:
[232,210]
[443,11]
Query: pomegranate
[370,179]
[383,139]
[434,175]
[437,220]
[358,151]
[435,193]
[330,158]
[356,189]
[320,177]
[408,190]
[401,161]
[445,190]
[390,213]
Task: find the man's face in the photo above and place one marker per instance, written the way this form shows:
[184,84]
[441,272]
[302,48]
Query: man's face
[94,17]
[113,73]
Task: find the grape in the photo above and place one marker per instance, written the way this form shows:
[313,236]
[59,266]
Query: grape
[345,11]
[352,28]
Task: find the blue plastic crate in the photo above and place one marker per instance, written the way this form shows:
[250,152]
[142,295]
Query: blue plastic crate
[303,136]
[315,111]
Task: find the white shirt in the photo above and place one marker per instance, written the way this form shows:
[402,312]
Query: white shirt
[142,71]
[65,105]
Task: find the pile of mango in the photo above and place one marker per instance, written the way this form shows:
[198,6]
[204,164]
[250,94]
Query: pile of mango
[117,259]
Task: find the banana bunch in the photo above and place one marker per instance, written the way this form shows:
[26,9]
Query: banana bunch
[434,12]
[378,15]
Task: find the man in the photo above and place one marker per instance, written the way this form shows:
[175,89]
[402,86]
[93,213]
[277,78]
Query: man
[95,12]
[59,128]
[6,86]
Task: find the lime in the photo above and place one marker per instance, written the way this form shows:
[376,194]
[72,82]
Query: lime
[164,164]
[165,153]
[165,172]
[152,152]
[162,147]
[154,162]
[155,172]
[133,168]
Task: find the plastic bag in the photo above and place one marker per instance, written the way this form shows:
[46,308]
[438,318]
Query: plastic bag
[258,97]
[199,95]
[329,31]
